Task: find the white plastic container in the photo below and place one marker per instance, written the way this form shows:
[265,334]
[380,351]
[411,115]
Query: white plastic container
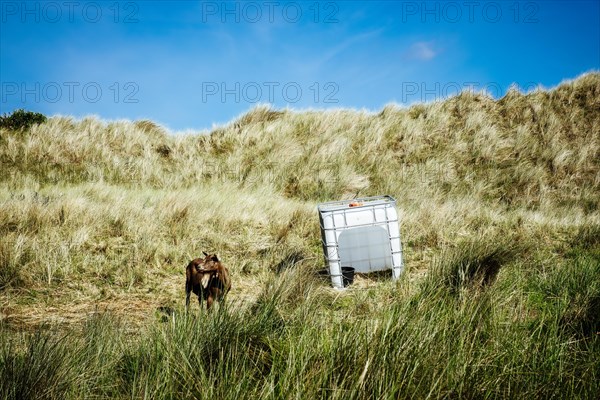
[363,234]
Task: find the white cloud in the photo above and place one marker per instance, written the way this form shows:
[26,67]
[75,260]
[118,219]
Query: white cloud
[423,51]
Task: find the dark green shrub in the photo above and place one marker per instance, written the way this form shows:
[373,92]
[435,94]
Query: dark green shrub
[21,119]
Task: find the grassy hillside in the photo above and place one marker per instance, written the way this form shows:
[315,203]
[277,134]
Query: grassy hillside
[500,209]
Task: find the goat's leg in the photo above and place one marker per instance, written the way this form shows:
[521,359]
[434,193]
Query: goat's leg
[201,296]
[209,301]
[188,292]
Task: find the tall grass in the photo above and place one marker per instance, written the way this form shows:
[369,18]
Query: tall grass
[434,345]
[532,150]
[500,224]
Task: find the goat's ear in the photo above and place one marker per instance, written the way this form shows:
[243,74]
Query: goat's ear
[215,258]
[205,253]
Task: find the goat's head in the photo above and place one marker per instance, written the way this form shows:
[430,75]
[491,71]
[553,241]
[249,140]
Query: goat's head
[210,257]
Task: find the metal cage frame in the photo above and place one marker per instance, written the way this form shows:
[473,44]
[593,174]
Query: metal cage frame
[359,205]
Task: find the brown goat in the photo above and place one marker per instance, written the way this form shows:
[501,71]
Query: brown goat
[207,278]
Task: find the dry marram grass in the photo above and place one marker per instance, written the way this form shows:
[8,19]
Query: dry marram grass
[94,209]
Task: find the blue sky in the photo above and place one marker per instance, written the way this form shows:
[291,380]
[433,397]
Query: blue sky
[192,64]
